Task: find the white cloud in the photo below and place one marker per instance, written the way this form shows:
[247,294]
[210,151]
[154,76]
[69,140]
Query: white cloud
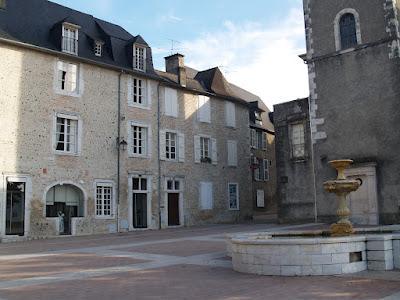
[170,17]
[262,60]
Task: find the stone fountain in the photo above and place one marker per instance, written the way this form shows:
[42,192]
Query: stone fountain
[342,186]
[340,250]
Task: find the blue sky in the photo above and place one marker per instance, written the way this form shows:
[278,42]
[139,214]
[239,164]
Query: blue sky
[255,42]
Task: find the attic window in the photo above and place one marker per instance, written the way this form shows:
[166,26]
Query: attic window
[258,119]
[98,48]
[139,58]
[70,38]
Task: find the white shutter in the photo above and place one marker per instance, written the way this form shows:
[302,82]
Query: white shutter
[72,77]
[130,90]
[266,169]
[206,195]
[204,109]
[260,198]
[230,114]
[171,102]
[149,141]
[196,149]
[214,154]
[264,140]
[181,147]
[162,145]
[232,153]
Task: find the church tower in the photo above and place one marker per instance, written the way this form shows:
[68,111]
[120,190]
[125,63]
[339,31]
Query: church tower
[353,50]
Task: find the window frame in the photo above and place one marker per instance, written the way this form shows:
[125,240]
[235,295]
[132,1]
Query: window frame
[61,66]
[338,40]
[104,184]
[292,144]
[136,58]
[67,116]
[175,102]
[147,139]
[203,149]
[237,208]
[68,27]
[234,164]
[204,110]
[98,48]
[146,103]
[202,203]
[168,146]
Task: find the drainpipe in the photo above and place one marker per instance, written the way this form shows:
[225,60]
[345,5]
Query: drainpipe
[313,164]
[119,151]
[159,156]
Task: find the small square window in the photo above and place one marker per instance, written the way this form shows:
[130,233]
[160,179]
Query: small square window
[98,48]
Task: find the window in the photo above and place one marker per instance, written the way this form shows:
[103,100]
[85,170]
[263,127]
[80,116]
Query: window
[205,149]
[104,199]
[98,48]
[258,170]
[70,39]
[265,169]
[139,183]
[206,195]
[137,93]
[203,109]
[67,78]
[297,140]
[173,185]
[348,32]
[139,140]
[171,103]
[257,118]
[261,140]
[230,114]
[232,153]
[66,135]
[260,198]
[139,58]
[172,146]
[233,196]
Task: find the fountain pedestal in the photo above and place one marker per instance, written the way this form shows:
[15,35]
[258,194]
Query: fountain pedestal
[342,187]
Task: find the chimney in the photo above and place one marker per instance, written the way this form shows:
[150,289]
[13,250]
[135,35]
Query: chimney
[175,64]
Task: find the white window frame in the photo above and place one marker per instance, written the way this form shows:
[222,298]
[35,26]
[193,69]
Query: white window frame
[171,106]
[145,93]
[336,22]
[230,114]
[179,148]
[213,150]
[148,140]
[293,144]
[204,109]
[104,184]
[208,204]
[78,137]
[64,66]
[98,48]
[170,138]
[237,196]
[136,58]
[205,148]
[265,170]
[258,118]
[148,192]
[66,29]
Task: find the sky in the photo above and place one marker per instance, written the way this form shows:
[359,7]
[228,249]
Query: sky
[256,43]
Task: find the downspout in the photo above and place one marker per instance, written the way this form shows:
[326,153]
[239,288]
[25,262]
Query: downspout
[159,156]
[313,165]
[119,151]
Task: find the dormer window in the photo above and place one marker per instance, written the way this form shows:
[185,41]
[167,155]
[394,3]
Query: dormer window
[257,117]
[98,48]
[139,58]
[70,38]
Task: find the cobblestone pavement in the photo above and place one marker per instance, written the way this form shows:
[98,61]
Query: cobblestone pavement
[186,263]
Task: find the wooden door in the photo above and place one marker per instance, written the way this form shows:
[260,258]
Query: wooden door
[173,209]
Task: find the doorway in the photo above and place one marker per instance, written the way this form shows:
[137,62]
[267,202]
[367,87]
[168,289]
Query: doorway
[15,208]
[173,209]
[140,202]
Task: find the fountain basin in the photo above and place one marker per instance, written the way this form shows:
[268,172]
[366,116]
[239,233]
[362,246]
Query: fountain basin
[312,254]
[341,186]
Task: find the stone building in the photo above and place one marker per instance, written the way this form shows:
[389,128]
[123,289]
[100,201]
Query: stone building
[353,63]
[93,139]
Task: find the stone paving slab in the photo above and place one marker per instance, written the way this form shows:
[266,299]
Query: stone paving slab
[58,264]
[184,248]
[197,282]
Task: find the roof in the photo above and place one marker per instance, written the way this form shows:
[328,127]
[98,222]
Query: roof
[37,22]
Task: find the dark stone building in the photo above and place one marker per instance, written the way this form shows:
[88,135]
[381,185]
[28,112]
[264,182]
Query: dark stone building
[353,61]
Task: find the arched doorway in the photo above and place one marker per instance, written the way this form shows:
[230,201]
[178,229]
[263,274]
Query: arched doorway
[65,202]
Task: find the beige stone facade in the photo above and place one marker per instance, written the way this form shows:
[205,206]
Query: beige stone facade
[29,105]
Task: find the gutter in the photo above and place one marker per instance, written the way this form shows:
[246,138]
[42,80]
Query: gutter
[119,151]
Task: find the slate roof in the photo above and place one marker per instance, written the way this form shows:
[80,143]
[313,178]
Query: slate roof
[38,23]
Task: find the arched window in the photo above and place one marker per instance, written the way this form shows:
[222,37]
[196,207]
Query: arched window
[348,31]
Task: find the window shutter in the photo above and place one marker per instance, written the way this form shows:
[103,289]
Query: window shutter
[148,141]
[266,170]
[253,138]
[196,149]
[206,195]
[264,141]
[130,90]
[260,198]
[230,114]
[171,102]
[181,145]
[232,153]
[204,110]
[162,145]
[214,154]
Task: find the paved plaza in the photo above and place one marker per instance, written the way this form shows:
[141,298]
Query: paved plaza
[185,263]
